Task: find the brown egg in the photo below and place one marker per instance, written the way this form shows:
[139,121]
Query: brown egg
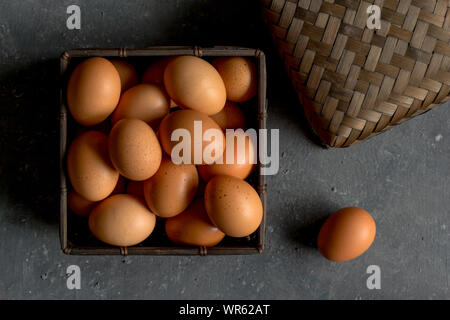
[90,170]
[239,76]
[93,91]
[193,83]
[193,227]
[146,102]
[83,207]
[231,117]
[128,75]
[155,73]
[121,220]
[136,188]
[184,119]
[346,234]
[134,149]
[233,206]
[171,190]
[79,205]
[241,162]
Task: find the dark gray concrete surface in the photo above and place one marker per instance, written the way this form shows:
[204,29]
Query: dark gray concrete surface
[401,177]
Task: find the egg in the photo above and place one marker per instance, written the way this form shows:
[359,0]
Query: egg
[195,84]
[239,76]
[155,73]
[230,117]
[89,168]
[82,206]
[193,227]
[93,91]
[121,220]
[136,188]
[79,205]
[134,149]
[146,102]
[171,190]
[128,75]
[241,162]
[184,119]
[346,234]
[233,206]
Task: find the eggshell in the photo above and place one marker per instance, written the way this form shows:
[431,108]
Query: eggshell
[233,206]
[193,227]
[184,119]
[93,91]
[121,220]
[79,205]
[230,117]
[155,73]
[136,188]
[195,84]
[239,76]
[146,102]
[242,163]
[346,234]
[90,170]
[83,207]
[134,149]
[171,190]
[127,73]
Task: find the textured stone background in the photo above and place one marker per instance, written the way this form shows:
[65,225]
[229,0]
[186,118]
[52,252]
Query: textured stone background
[401,177]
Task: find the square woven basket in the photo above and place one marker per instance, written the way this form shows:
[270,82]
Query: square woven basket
[355,82]
[74,234]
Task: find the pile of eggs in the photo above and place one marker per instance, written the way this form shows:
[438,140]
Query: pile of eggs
[119,164]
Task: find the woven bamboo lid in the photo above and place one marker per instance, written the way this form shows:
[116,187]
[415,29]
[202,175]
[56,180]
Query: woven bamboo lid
[355,82]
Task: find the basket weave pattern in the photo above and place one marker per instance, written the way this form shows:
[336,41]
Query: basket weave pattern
[354,82]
